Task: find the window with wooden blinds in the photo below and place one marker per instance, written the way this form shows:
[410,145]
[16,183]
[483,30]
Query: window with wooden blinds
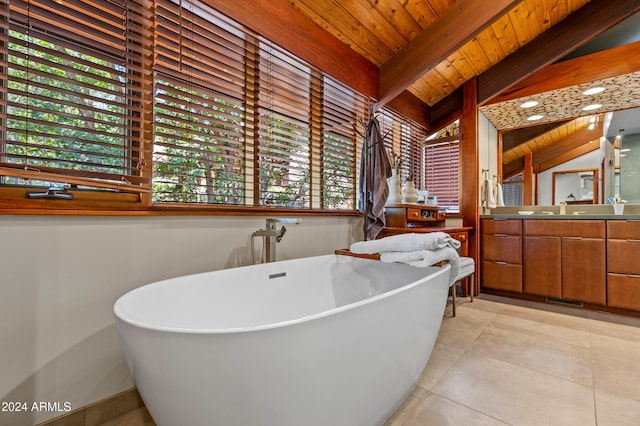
[341,144]
[74,93]
[173,99]
[284,114]
[442,172]
[200,114]
[404,137]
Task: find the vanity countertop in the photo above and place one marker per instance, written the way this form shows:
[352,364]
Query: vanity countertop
[538,216]
[572,212]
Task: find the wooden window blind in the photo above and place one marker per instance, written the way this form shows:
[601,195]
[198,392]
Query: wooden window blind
[341,144]
[442,172]
[284,145]
[200,113]
[404,137]
[73,93]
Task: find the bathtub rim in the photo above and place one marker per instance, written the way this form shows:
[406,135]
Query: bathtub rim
[117,309]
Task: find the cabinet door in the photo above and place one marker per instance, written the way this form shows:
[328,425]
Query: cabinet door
[502,276]
[542,267]
[583,270]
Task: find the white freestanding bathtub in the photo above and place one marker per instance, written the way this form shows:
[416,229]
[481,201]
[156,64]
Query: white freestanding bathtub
[327,340]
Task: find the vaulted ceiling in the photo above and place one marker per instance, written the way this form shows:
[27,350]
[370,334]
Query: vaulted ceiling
[430,48]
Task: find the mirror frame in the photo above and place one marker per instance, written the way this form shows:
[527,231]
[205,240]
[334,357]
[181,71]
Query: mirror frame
[595,184]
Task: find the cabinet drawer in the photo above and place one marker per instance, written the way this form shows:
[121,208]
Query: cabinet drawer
[413,214]
[565,228]
[502,226]
[623,229]
[622,256]
[502,276]
[505,248]
[623,291]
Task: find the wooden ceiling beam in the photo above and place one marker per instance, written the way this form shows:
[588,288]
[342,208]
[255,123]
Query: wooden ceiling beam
[459,24]
[412,107]
[568,156]
[284,25]
[516,137]
[571,142]
[616,61]
[572,32]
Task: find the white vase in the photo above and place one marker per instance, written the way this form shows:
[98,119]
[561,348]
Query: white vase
[395,189]
[409,193]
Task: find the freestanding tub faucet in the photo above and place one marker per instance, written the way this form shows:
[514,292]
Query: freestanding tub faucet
[271,236]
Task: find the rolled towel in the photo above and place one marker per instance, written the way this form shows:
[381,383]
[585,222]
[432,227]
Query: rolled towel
[406,243]
[425,258]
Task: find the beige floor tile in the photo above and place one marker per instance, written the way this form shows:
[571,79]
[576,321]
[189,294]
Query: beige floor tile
[408,407]
[536,352]
[616,364]
[437,411]
[550,327]
[613,329]
[612,410]
[441,360]
[516,395]
[137,417]
[458,333]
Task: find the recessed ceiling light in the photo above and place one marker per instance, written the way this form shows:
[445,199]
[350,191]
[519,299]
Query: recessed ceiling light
[529,104]
[594,91]
[592,107]
[535,117]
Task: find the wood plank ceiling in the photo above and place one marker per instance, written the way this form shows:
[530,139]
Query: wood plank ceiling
[432,47]
[380,29]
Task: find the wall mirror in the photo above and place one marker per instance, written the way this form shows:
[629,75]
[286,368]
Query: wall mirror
[575,186]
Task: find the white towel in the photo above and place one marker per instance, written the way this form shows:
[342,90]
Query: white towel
[415,249]
[499,195]
[425,258]
[490,201]
[406,243]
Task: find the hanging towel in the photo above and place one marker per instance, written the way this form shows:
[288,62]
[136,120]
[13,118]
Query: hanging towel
[406,243]
[376,175]
[490,201]
[499,195]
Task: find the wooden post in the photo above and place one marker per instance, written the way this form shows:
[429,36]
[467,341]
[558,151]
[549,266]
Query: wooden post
[469,170]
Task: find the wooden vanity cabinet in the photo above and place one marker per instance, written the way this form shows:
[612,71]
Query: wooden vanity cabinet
[623,267]
[502,254]
[565,259]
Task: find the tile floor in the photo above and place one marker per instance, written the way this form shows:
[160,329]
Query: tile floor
[509,362]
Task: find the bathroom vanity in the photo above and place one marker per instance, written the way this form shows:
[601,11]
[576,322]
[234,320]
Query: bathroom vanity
[582,260]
